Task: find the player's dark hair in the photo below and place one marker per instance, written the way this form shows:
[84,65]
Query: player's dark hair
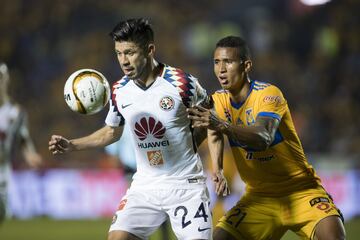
[235,42]
[137,30]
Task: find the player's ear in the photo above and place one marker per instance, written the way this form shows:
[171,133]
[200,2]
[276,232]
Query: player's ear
[248,65]
[151,49]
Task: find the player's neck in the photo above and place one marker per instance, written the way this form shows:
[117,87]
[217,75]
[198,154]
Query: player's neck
[150,75]
[241,93]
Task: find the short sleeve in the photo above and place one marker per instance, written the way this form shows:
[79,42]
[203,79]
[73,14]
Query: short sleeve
[201,97]
[114,117]
[271,103]
[219,100]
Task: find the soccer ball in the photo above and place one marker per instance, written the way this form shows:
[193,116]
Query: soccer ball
[86,91]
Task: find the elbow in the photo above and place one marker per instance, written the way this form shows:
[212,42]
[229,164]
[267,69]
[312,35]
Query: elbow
[263,142]
[115,135]
[261,146]
[110,135]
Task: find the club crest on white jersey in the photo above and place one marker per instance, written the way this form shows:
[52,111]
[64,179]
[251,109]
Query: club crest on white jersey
[167,103]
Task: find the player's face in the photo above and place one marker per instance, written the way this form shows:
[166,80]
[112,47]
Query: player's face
[229,68]
[132,59]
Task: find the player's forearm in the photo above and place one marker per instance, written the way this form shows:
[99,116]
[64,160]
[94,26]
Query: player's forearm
[100,138]
[216,149]
[200,135]
[255,137]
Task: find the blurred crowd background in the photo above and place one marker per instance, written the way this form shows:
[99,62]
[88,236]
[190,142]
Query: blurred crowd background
[311,52]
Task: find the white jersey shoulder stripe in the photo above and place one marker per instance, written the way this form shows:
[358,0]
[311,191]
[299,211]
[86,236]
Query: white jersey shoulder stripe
[113,104]
[182,81]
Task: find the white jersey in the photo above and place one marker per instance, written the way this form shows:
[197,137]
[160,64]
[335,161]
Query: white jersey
[11,125]
[165,149]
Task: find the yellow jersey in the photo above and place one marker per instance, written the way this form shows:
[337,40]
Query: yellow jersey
[283,167]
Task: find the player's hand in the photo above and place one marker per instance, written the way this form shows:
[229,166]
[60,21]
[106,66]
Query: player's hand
[59,144]
[207,118]
[221,185]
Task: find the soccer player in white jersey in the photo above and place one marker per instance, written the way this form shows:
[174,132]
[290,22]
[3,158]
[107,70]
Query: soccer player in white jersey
[152,98]
[13,133]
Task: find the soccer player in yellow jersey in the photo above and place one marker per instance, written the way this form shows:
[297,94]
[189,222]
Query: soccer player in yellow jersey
[283,191]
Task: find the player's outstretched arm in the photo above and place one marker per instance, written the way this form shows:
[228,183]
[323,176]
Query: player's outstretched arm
[258,136]
[58,144]
[100,138]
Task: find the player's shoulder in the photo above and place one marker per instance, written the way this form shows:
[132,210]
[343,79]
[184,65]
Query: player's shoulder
[120,83]
[220,93]
[263,87]
[176,75]
[259,85]
[267,93]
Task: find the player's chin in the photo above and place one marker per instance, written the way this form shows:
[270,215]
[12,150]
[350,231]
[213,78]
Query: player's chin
[131,74]
[225,86]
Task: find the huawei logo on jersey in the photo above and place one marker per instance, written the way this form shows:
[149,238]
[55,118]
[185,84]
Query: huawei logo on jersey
[148,126]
